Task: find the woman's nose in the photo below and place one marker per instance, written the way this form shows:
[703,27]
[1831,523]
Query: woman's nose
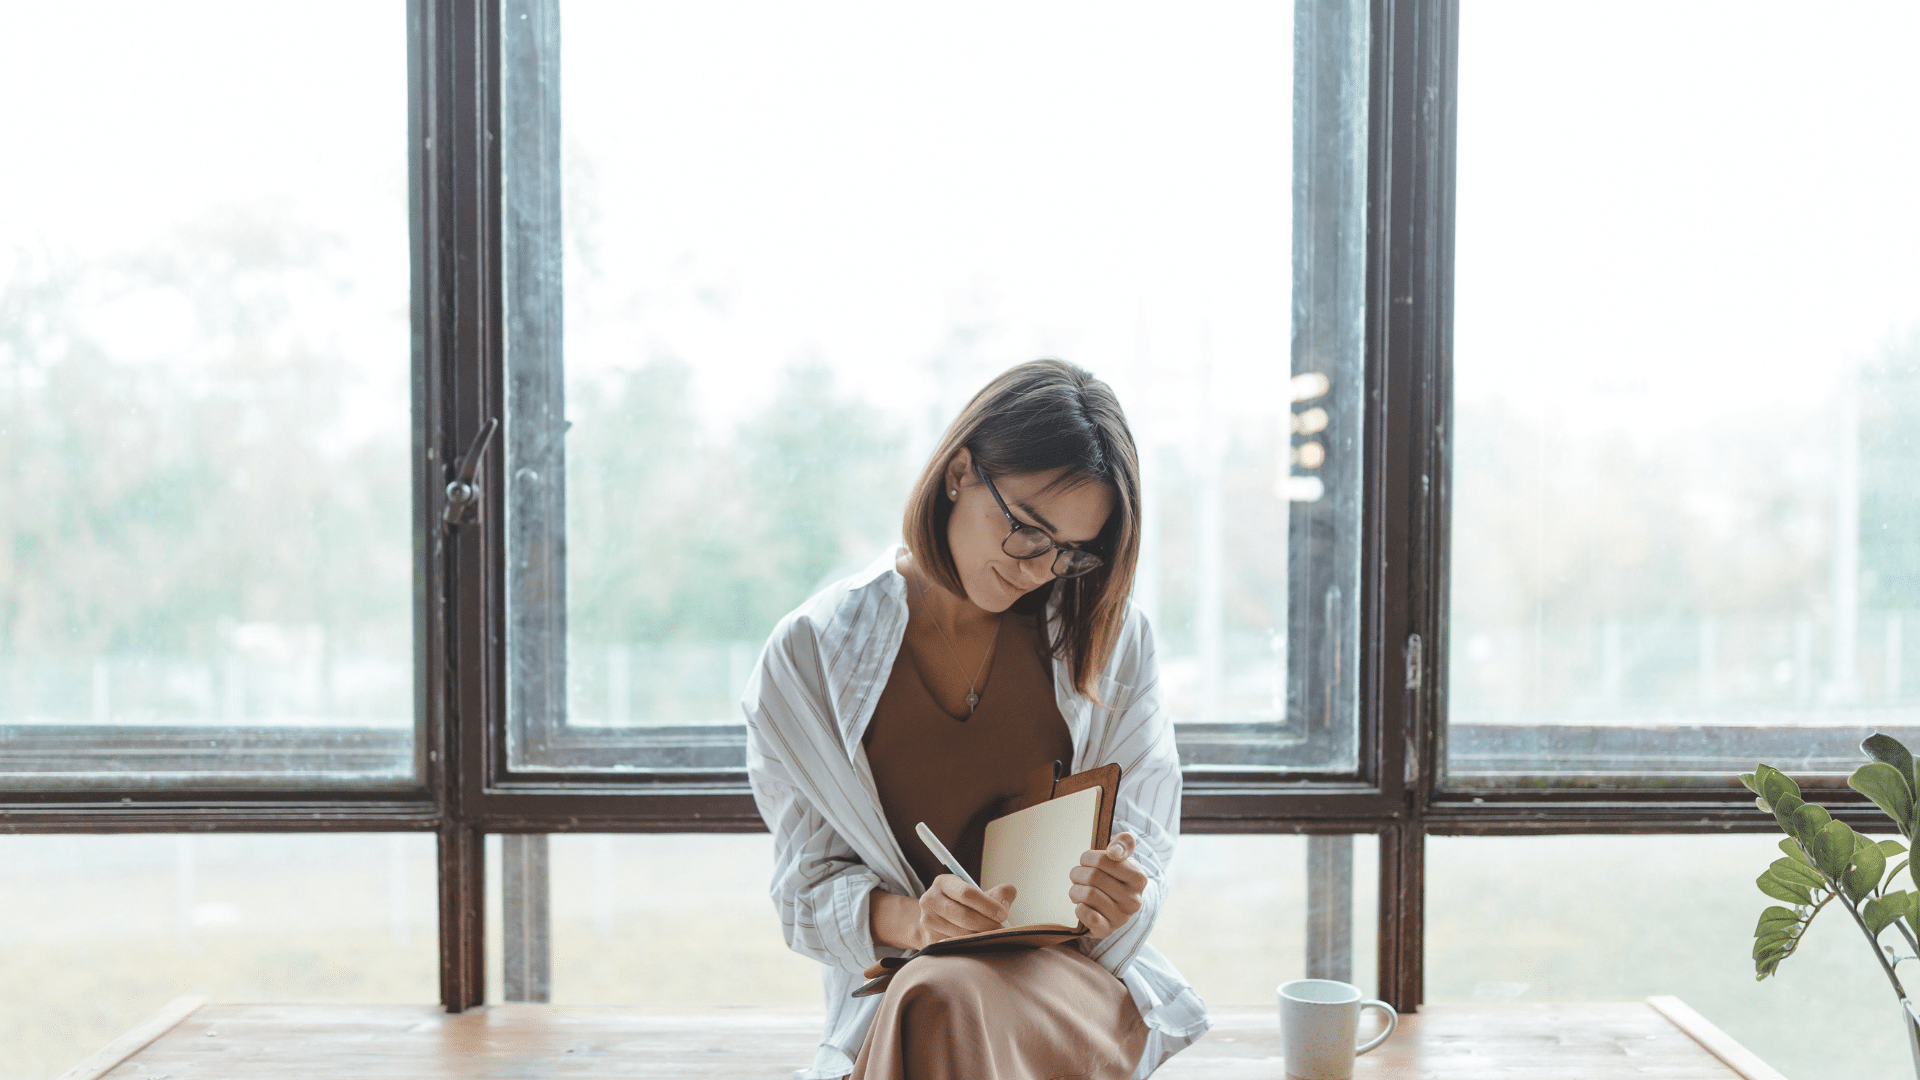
[1037,572]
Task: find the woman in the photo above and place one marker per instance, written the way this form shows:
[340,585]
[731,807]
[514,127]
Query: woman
[927,688]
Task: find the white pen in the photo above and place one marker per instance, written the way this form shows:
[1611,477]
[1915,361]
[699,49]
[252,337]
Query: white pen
[940,852]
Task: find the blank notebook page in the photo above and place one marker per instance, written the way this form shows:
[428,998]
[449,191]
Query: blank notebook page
[1033,850]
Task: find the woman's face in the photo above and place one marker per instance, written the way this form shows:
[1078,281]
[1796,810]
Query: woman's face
[1072,514]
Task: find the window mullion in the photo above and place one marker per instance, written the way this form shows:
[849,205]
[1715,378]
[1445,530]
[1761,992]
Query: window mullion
[457,329]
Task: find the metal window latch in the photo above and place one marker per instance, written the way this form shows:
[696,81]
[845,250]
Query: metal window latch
[463,492]
[1416,665]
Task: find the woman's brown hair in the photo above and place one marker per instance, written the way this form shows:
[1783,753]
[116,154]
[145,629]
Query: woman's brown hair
[1037,416]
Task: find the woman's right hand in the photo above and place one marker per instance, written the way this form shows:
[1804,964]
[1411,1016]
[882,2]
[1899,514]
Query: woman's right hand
[952,908]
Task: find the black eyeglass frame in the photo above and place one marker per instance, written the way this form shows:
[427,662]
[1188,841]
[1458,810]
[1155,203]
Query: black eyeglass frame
[1078,560]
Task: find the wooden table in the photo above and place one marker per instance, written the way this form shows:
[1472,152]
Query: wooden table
[1660,1039]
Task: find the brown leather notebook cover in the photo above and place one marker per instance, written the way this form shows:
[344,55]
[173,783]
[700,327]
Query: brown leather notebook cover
[1043,785]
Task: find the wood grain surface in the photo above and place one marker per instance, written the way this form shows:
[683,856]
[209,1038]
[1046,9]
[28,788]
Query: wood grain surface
[101,1061]
[549,1042]
[1718,1043]
[1590,1041]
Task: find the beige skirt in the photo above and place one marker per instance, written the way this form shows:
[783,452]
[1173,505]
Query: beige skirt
[1034,1014]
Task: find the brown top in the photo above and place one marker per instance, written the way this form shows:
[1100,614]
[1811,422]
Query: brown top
[958,774]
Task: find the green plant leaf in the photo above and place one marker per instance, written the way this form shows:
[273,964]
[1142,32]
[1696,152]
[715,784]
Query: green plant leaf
[1868,865]
[1887,750]
[1879,913]
[1888,789]
[1794,851]
[1791,892]
[1797,872]
[1784,810]
[1767,959]
[1753,783]
[1774,784]
[1808,820]
[1832,847]
[1780,942]
[1890,848]
[1778,916]
[1895,872]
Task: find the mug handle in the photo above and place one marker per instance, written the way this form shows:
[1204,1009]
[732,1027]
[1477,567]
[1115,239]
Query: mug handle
[1393,1020]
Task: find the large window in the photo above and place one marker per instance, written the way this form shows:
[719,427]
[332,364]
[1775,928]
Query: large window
[779,248]
[690,293]
[1687,390]
[307,530]
[206,546]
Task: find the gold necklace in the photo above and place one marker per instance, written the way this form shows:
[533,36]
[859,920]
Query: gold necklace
[973,694]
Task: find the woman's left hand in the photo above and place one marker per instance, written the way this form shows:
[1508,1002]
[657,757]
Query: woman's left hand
[1107,886]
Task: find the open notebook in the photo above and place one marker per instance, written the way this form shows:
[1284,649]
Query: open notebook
[1032,847]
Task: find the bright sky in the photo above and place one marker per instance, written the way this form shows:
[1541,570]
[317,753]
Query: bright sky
[849,183]
[1668,212]
[1672,210]
[1678,207]
[141,118]
[141,115]
[857,183]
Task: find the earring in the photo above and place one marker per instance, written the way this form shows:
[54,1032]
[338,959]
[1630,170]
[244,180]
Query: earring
[954,494]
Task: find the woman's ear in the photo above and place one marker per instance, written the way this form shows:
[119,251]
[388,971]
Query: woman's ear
[959,469]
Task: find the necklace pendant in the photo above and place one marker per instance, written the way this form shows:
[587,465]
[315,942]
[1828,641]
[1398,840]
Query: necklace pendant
[972,701]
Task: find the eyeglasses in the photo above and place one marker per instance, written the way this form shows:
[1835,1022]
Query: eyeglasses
[1027,542]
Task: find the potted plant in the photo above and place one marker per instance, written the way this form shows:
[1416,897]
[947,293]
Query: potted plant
[1825,862]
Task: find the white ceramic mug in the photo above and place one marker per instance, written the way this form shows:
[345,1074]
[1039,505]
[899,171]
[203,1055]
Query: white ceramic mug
[1319,1019]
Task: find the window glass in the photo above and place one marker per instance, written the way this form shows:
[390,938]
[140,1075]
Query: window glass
[102,931]
[1687,353]
[787,245]
[1619,918]
[660,919]
[1235,923]
[205,538]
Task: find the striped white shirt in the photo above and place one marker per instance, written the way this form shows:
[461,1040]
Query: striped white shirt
[807,706]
